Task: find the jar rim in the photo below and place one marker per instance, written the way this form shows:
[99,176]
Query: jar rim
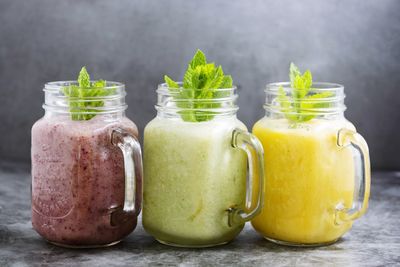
[58,102]
[178,102]
[164,88]
[329,100]
[57,85]
[316,86]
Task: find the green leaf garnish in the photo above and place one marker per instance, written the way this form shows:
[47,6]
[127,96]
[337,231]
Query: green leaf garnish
[170,82]
[200,82]
[293,107]
[80,97]
[84,78]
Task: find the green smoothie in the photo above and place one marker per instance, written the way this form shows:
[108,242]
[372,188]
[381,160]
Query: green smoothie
[192,176]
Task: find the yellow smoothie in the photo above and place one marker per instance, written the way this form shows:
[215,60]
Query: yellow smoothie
[307,176]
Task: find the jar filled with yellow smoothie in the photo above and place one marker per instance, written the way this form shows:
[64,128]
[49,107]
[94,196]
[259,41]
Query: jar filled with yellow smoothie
[317,176]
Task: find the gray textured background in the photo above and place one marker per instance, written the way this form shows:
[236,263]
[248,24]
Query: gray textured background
[356,43]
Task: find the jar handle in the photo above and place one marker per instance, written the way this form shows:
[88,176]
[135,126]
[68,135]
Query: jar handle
[132,154]
[362,182]
[255,156]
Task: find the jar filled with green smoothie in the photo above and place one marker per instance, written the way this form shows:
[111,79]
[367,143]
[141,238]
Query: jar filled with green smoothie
[197,192]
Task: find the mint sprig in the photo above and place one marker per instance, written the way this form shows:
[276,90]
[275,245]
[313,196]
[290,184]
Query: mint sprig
[200,83]
[301,84]
[80,97]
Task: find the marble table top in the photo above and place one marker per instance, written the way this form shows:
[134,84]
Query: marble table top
[373,241]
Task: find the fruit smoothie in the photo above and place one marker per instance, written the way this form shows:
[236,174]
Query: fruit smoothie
[307,176]
[192,176]
[78,181]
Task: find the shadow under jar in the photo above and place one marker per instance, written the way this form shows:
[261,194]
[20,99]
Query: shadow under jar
[317,179]
[195,170]
[86,168]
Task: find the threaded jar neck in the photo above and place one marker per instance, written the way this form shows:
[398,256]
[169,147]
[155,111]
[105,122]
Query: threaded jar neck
[323,100]
[63,97]
[201,104]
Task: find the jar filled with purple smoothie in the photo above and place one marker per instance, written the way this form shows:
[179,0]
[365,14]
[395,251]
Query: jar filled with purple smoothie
[86,165]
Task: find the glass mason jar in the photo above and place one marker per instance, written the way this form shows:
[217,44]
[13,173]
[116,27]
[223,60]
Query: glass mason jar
[317,179]
[86,168]
[195,172]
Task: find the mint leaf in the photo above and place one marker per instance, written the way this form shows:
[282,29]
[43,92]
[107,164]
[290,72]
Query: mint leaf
[293,73]
[84,78]
[201,81]
[283,100]
[300,100]
[226,82]
[307,79]
[215,78]
[82,97]
[313,102]
[317,101]
[99,83]
[286,104]
[171,83]
[199,59]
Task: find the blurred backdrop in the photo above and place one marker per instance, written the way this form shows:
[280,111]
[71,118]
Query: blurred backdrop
[356,43]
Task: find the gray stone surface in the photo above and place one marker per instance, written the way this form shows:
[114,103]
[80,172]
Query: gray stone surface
[353,42]
[373,241]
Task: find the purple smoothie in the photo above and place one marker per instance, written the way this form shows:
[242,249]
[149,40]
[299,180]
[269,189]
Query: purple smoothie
[78,181]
